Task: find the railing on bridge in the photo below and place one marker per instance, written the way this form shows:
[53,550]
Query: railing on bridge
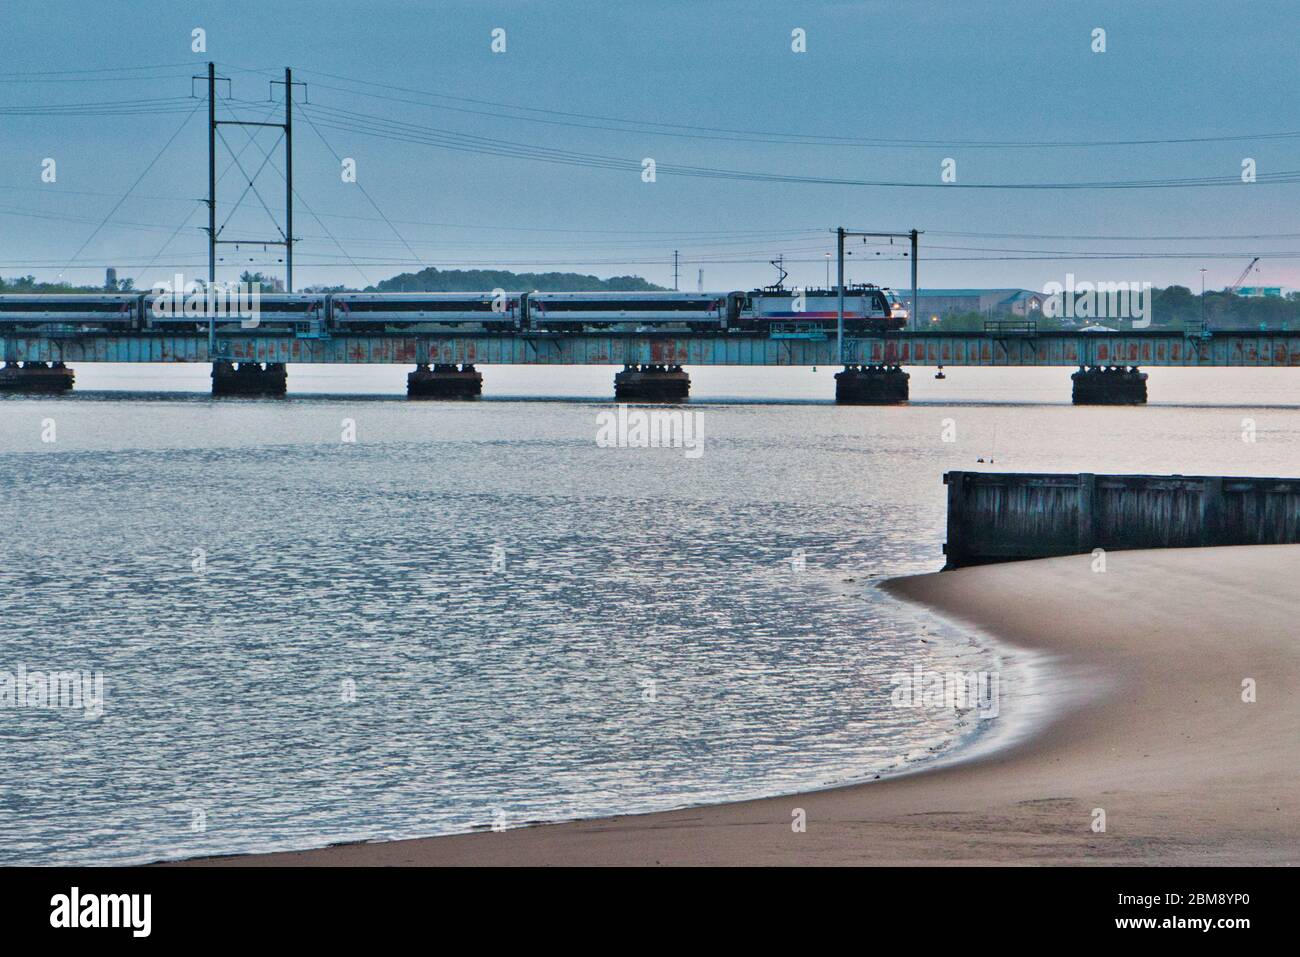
[312,329]
[1011,327]
[798,330]
[1015,344]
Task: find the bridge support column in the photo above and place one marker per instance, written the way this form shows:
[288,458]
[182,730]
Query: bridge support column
[871,385]
[36,377]
[1109,385]
[444,381]
[652,383]
[249,378]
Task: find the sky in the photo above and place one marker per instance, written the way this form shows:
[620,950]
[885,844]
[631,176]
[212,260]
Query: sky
[449,138]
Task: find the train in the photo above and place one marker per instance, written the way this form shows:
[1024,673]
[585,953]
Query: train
[772,311]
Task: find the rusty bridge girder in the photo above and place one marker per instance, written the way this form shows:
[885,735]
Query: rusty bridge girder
[1150,348]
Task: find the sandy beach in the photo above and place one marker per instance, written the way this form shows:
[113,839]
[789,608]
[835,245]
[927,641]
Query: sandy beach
[1147,661]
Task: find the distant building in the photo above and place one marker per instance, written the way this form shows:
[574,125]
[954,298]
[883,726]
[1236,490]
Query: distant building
[1261,292]
[943,302]
[110,278]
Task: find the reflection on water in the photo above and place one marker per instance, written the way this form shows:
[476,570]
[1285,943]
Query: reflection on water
[475,614]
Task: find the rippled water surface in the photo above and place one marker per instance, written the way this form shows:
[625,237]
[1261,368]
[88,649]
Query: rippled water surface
[473,613]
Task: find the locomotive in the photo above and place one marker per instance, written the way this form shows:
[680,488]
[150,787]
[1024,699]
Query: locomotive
[773,311]
[866,308]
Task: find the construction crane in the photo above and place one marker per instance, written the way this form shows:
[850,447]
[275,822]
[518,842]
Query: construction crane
[1242,278]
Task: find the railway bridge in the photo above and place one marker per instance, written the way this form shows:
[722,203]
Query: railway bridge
[1108,364]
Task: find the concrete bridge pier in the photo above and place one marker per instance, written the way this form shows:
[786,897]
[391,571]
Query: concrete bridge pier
[444,381]
[43,377]
[871,385]
[249,378]
[1109,385]
[652,383]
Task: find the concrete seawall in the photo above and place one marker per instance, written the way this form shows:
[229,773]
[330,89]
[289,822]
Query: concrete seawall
[1002,517]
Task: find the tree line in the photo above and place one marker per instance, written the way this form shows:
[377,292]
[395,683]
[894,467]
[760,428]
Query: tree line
[1174,307]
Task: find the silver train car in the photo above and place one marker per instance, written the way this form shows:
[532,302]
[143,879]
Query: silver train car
[276,311]
[626,311]
[432,311]
[771,311]
[110,310]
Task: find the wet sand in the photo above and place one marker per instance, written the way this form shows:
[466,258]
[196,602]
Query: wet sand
[1148,724]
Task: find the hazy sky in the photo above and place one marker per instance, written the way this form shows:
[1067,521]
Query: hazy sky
[601,77]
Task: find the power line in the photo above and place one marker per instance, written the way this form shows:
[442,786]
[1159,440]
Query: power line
[352,122]
[143,174]
[312,212]
[33,78]
[1115,238]
[321,260]
[96,70]
[190,215]
[45,190]
[680,237]
[655,128]
[349,121]
[150,106]
[357,183]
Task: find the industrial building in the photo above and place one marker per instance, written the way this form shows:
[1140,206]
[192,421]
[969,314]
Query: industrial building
[943,302]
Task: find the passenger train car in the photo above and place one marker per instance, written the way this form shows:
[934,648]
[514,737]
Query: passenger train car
[276,311]
[626,311]
[763,312]
[116,311]
[426,311]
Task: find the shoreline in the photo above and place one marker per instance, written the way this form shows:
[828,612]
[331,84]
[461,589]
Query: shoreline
[1146,668]
[1037,689]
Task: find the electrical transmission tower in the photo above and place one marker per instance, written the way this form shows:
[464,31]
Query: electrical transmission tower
[286,238]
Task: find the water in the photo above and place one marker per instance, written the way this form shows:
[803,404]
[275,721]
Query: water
[473,614]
